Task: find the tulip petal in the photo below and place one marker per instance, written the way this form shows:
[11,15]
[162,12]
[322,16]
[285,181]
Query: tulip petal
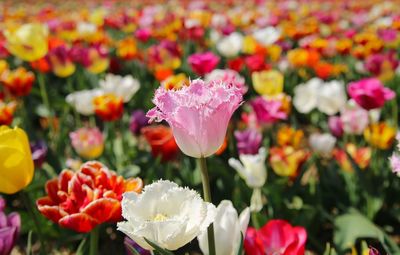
[104,209]
[79,222]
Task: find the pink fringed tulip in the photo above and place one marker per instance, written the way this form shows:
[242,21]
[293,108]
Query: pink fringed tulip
[370,93]
[203,63]
[198,114]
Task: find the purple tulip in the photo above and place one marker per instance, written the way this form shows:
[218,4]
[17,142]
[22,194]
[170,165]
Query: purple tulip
[248,141]
[39,153]
[138,121]
[9,229]
[133,244]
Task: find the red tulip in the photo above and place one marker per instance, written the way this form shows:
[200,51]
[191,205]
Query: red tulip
[162,141]
[275,237]
[84,199]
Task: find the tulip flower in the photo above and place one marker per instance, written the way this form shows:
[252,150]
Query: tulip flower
[87,142]
[28,42]
[162,142]
[248,141]
[166,214]
[10,226]
[109,107]
[370,93]
[275,237]
[138,121]
[322,144]
[16,164]
[175,81]
[39,152]
[198,114]
[335,126]
[230,45]
[354,119]
[380,135]
[288,136]
[268,111]
[82,100]
[306,95]
[252,169]
[203,63]
[122,86]
[18,82]
[7,112]
[331,97]
[286,161]
[268,83]
[361,156]
[84,199]
[61,61]
[228,227]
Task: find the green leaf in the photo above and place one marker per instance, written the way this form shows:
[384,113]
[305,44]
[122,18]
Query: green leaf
[158,248]
[353,225]
[329,250]
[80,250]
[240,251]
[29,244]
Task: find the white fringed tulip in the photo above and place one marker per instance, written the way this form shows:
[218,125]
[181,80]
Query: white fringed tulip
[228,228]
[166,214]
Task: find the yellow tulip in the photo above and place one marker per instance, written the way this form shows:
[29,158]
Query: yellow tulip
[16,164]
[28,42]
[380,135]
[268,83]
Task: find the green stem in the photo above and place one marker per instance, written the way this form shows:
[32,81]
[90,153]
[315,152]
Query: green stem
[46,102]
[255,220]
[94,241]
[26,199]
[207,197]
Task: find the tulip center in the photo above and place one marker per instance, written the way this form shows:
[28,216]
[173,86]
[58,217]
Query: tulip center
[159,217]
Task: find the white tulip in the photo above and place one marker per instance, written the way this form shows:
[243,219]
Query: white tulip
[123,86]
[228,229]
[306,95]
[267,36]
[230,46]
[82,100]
[251,168]
[331,97]
[322,144]
[166,214]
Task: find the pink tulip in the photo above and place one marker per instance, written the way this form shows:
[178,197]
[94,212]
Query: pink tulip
[268,111]
[198,114]
[276,237]
[335,126]
[370,93]
[203,63]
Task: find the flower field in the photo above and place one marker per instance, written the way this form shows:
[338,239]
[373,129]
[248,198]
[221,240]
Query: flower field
[199,127]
